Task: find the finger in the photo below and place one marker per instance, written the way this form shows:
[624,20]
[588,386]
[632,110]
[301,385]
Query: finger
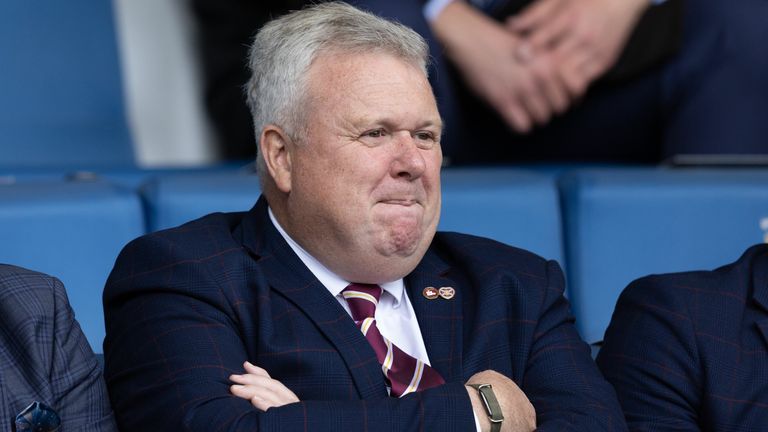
[264,397]
[267,387]
[517,117]
[570,47]
[510,109]
[535,104]
[556,95]
[253,369]
[241,391]
[575,82]
[551,33]
[261,404]
[257,380]
[532,16]
[583,58]
[591,71]
[246,392]
[242,379]
[572,72]
[551,85]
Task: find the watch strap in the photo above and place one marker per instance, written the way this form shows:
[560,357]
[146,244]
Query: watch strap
[492,407]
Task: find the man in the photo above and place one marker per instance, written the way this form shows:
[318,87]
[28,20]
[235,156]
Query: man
[49,378]
[332,304]
[687,351]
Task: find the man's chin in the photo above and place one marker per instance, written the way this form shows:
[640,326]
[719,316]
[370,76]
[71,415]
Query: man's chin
[403,240]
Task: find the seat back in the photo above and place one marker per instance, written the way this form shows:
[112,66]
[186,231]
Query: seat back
[172,200]
[622,224]
[516,207]
[71,230]
[62,99]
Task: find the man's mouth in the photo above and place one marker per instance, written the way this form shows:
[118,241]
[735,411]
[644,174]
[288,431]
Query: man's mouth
[400,201]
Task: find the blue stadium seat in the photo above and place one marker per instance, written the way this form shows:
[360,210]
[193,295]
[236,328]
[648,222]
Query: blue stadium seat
[62,101]
[71,230]
[172,200]
[622,224]
[512,206]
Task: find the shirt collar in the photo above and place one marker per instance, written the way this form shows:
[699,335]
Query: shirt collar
[329,279]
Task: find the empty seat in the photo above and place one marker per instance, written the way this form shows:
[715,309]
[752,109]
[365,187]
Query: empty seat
[71,230]
[62,99]
[622,224]
[172,200]
[513,206]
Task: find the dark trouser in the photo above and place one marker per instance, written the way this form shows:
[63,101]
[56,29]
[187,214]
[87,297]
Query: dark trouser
[711,97]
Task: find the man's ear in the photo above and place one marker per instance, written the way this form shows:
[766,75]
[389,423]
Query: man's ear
[277,148]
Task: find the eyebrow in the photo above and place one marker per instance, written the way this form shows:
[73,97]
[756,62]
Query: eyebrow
[361,122]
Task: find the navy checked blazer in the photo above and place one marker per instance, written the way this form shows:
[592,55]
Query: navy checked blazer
[45,357]
[186,307]
[687,351]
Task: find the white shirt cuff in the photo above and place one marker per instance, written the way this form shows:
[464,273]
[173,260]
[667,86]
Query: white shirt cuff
[433,8]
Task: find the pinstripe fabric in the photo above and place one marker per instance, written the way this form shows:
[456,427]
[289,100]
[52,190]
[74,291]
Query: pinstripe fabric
[185,307]
[689,351]
[45,357]
[404,373]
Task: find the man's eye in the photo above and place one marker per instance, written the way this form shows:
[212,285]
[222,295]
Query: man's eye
[376,133]
[425,136]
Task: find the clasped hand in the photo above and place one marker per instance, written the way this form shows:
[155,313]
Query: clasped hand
[540,61]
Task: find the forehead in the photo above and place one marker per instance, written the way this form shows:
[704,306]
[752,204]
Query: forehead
[370,84]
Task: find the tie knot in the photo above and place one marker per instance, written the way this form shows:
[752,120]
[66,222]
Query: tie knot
[362,300]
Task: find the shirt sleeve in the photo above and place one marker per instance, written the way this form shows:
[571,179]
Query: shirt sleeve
[432,8]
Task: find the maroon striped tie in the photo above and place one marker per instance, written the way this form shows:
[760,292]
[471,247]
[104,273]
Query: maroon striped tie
[404,373]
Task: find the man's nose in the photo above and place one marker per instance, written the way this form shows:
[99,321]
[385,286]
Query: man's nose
[408,161]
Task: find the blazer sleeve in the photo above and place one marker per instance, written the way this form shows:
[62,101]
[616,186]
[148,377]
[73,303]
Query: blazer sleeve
[650,356]
[76,380]
[172,343]
[561,380]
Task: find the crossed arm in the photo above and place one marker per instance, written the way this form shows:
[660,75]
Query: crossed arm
[176,338]
[264,393]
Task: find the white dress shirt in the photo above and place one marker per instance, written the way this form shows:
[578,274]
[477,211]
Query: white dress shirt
[395,317]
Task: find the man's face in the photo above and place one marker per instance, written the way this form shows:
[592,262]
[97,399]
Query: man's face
[365,182]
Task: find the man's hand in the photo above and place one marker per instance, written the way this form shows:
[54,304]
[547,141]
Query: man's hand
[524,94]
[518,412]
[586,36]
[258,387]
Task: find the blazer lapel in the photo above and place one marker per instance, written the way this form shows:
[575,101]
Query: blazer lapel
[440,319]
[760,291]
[291,278]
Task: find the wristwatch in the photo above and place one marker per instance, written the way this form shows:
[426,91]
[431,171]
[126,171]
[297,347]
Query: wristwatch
[492,406]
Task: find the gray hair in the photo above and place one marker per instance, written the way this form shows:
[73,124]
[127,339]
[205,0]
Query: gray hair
[284,49]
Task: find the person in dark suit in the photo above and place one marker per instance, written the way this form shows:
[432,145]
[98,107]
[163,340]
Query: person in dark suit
[689,351]
[332,304]
[555,80]
[49,378]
